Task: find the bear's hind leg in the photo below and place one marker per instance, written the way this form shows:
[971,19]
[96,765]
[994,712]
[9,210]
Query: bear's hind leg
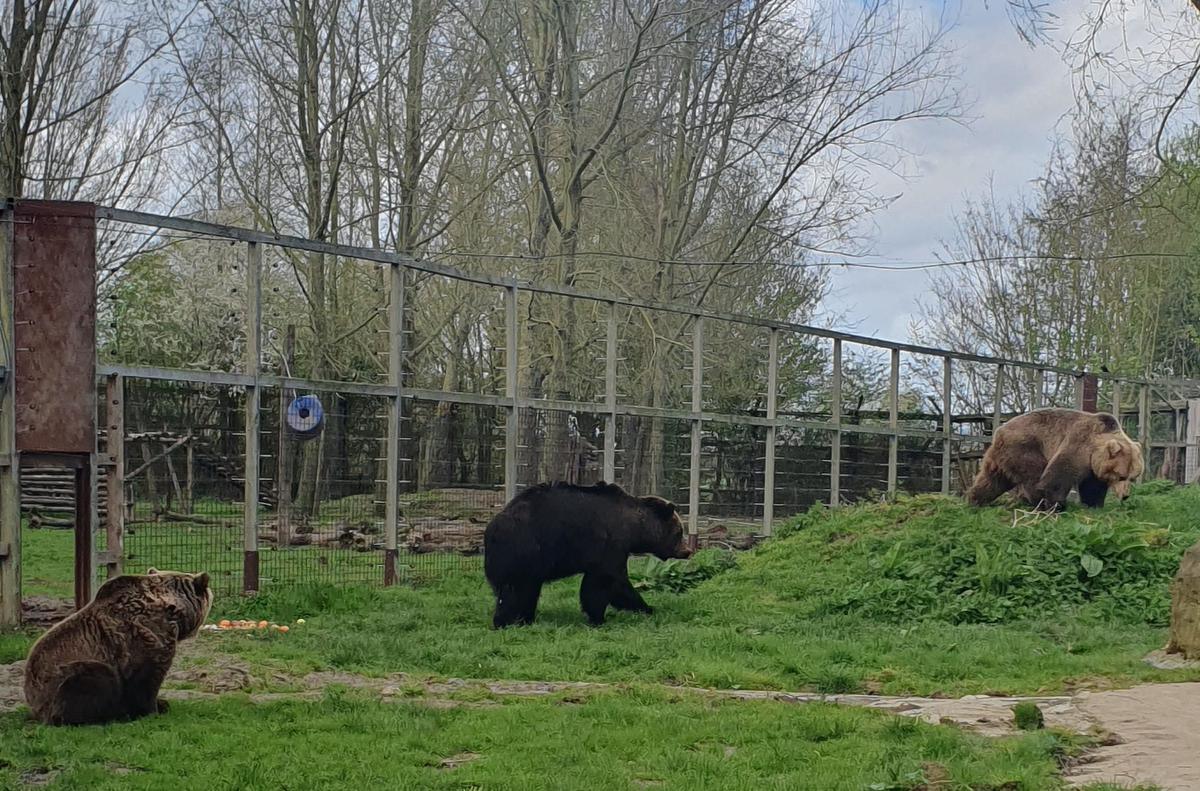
[89,694]
[594,594]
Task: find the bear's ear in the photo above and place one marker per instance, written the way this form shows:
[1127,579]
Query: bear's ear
[663,509]
[1114,448]
[151,572]
[200,582]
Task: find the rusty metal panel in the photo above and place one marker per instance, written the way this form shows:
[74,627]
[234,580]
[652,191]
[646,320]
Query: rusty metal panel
[54,312]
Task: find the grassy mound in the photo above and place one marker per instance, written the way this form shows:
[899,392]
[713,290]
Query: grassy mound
[932,558]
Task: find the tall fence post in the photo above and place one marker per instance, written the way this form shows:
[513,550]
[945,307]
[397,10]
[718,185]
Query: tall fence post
[114,517]
[511,434]
[772,408]
[697,407]
[250,568]
[1036,381]
[1144,426]
[893,424]
[835,417]
[1116,400]
[610,396]
[947,426]
[391,507]
[998,400]
[10,488]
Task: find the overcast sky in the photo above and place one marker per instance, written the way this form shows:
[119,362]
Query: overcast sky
[1020,96]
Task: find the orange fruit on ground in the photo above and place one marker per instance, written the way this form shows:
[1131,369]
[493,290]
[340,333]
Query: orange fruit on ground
[262,624]
[283,628]
[224,624]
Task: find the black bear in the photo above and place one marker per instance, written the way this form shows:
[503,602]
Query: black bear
[551,531]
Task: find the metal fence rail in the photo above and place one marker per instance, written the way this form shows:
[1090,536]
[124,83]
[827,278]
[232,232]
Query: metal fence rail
[775,437]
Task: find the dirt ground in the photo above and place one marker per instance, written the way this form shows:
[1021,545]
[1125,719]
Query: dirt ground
[1151,732]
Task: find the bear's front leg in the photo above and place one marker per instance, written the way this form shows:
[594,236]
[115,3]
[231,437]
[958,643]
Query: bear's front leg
[626,597]
[1059,477]
[594,594]
[140,692]
[516,605]
[1092,491]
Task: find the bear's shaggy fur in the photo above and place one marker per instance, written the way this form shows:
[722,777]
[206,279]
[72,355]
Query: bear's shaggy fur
[1045,453]
[107,661]
[551,531]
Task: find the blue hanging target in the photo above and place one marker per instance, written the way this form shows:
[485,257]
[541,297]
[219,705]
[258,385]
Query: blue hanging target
[305,416]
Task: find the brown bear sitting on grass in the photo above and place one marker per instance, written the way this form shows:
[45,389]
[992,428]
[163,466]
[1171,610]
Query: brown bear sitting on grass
[107,661]
[1045,453]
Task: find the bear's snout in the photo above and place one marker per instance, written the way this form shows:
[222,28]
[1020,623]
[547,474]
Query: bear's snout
[1121,489]
[682,551]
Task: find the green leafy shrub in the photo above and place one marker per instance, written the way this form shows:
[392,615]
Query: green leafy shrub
[934,558]
[677,576]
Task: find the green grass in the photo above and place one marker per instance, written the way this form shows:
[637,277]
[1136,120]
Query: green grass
[637,739]
[47,563]
[922,596]
[813,610]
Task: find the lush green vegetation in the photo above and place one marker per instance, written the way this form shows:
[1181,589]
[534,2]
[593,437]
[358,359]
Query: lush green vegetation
[921,596]
[638,738]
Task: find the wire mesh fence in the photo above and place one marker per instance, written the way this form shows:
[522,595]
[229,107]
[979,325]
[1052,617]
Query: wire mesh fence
[394,412]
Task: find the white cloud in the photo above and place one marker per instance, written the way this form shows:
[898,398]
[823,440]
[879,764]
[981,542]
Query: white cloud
[1020,99]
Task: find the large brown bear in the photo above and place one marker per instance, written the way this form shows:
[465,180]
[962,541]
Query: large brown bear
[1045,453]
[107,661]
[551,531]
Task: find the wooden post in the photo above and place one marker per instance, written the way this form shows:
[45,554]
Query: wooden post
[253,364]
[998,400]
[1191,454]
[114,517]
[697,427]
[835,417]
[189,481]
[610,396]
[947,423]
[1038,398]
[511,433]
[283,464]
[395,422]
[10,488]
[1116,400]
[893,423]
[85,570]
[1144,427]
[1087,392]
[772,408]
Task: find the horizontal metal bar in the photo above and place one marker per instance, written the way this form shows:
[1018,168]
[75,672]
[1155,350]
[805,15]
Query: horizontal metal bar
[483,399]
[393,259]
[241,380]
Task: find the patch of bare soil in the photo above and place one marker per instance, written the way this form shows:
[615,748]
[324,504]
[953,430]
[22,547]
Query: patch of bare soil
[1158,737]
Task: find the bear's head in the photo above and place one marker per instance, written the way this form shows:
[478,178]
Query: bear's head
[174,598]
[1116,460]
[664,535]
